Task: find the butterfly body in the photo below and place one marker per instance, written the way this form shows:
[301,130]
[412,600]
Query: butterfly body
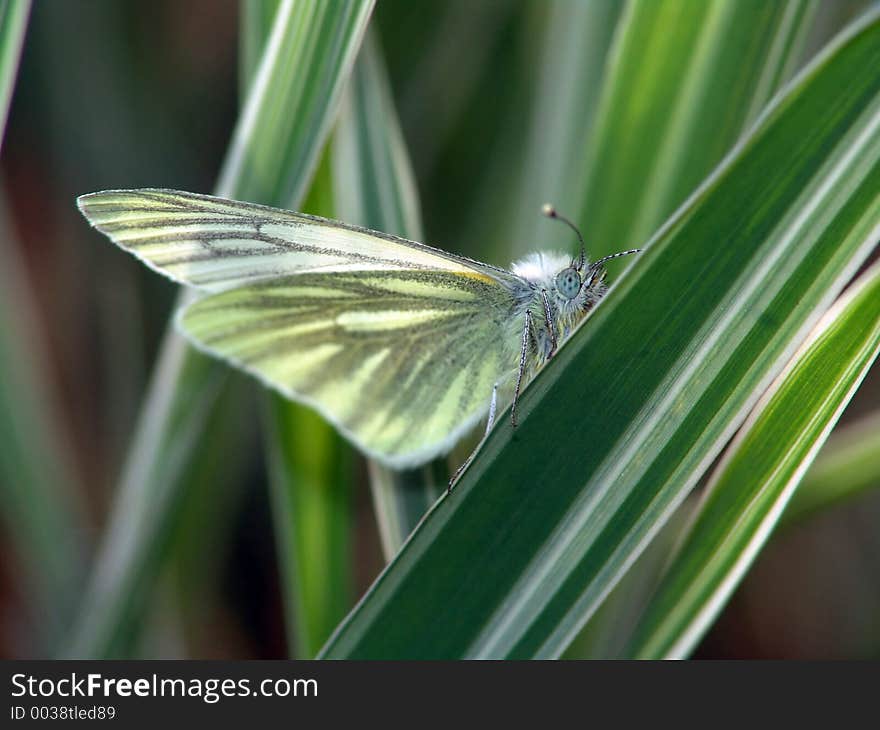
[400,345]
[556,315]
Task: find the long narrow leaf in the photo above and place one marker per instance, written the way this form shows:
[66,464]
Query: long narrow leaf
[309,479]
[622,423]
[722,59]
[312,510]
[213,491]
[312,499]
[36,472]
[683,82]
[13,22]
[38,483]
[309,488]
[256,19]
[295,93]
[376,189]
[574,51]
[847,466]
[271,155]
[761,471]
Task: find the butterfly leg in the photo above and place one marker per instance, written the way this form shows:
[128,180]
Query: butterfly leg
[527,330]
[490,421]
[551,325]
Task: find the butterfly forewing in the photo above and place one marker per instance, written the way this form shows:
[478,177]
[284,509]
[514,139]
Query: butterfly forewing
[218,244]
[402,362]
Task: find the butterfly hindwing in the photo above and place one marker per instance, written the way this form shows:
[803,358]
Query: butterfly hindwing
[403,362]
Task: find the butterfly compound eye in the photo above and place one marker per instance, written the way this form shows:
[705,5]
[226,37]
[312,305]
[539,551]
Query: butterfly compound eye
[568,283]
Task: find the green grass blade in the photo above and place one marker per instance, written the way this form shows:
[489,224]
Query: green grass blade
[375,185]
[312,499]
[181,399]
[374,179]
[13,22]
[376,188]
[760,472]
[623,422]
[295,93]
[256,19]
[182,394]
[191,589]
[401,499]
[310,472]
[309,463]
[683,82]
[609,630]
[37,479]
[574,49]
[198,529]
[38,483]
[846,467]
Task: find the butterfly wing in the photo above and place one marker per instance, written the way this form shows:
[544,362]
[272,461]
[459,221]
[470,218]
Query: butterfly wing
[216,244]
[396,343]
[402,362]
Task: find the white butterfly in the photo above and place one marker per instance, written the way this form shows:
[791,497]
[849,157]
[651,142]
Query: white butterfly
[401,346]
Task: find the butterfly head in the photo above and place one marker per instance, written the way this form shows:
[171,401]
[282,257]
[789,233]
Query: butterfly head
[580,283]
[568,289]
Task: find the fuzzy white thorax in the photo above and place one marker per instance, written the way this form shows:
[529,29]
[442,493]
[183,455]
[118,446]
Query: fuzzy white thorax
[541,267]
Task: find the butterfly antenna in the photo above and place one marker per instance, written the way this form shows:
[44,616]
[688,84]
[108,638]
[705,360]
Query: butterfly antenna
[551,212]
[597,264]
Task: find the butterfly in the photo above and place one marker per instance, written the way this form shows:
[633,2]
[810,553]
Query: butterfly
[402,347]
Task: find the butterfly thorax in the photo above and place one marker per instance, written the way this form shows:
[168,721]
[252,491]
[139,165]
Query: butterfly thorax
[560,293]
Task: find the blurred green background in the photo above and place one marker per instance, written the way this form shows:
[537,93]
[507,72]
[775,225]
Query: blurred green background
[130,94]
